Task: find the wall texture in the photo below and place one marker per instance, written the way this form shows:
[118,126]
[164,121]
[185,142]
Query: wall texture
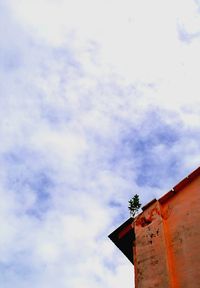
[167,244]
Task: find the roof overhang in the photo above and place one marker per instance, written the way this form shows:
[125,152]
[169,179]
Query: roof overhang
[123,237]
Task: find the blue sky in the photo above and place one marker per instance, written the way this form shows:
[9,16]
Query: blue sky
[99,100]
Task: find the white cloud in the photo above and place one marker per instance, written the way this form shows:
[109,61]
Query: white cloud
[99,100]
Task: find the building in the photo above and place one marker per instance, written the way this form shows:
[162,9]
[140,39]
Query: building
[163,242]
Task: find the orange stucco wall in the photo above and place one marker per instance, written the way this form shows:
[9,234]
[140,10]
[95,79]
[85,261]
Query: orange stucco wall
[167,245]
[150,262]
[182,229]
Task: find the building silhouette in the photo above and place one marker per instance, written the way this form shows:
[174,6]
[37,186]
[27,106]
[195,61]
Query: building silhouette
[163,241]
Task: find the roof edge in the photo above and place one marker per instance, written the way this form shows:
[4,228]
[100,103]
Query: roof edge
[148,204]
[182,184]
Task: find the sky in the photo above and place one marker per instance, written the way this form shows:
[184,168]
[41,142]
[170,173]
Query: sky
[99,100]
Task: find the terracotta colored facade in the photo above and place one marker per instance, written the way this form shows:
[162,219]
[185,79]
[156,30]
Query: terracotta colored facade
[165,238]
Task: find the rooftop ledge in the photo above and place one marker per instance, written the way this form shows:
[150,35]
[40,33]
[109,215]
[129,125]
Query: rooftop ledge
[123,237]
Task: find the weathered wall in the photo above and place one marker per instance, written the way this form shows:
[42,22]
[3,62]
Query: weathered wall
[150,263]
[167,245]
[181,217]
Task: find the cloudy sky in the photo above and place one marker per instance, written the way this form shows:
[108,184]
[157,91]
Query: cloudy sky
[99,100]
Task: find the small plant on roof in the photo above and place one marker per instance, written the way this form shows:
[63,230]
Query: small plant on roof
[134,205]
